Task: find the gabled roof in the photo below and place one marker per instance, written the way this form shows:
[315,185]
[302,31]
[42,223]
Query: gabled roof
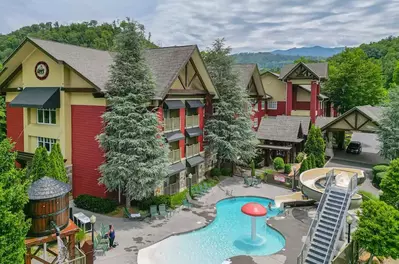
[321,121]
[318,69]
[272,73]
[245,72]
[280,129]
[304,120]
[164,63]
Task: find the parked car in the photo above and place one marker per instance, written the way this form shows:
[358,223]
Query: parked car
[354,147]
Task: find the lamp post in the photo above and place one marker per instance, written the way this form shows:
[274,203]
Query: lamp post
[293,181]
[349,221]
[190,176]
[92,222]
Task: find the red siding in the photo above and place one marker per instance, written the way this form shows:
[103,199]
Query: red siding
[201,125]
[182,143]
[302,105]
[279,111]
[86,153]
[15,126]
[160,117]
[289,98]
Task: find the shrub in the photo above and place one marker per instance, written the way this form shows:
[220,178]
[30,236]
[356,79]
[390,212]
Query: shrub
[226,172]
[95,204]
[278,163]
[312,162]
[304,166]
[300,157]
[216,172]
[154,200]
[261,176]
[367,195]
[287,168]
[378,178]
[379,168]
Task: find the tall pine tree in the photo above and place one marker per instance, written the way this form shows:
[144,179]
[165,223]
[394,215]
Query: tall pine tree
[40,164]
[136,154]
[13,197]
[56,168]
[315,145]
[229,133]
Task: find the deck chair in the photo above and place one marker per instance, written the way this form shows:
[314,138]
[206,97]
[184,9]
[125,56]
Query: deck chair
[186,204]
[131,216]
[247,181]
[162,210]
[153,211]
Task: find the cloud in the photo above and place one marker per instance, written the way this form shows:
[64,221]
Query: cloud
[247,25]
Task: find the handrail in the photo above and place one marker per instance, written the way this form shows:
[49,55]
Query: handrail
[329,175]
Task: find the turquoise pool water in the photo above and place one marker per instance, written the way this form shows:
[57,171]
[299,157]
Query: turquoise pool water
[227,236]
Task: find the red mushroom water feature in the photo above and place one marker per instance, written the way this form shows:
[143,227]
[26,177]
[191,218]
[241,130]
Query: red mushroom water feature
[254,210]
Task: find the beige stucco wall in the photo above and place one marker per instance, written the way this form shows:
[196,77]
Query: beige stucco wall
[274,87]
[302,95]
[300,113]
[16,81]
[301,81]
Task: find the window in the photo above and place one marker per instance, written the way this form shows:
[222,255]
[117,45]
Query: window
[272,105]
[46,142]
[263,105]
[256,122]
[46,116]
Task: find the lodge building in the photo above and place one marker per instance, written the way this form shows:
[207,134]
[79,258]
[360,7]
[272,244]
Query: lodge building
[55,93]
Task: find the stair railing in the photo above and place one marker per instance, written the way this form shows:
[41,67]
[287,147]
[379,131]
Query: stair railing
[330,176]
[352,187]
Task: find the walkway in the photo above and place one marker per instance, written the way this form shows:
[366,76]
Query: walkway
[134,236]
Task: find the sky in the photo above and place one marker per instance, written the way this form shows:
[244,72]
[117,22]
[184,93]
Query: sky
[247,25]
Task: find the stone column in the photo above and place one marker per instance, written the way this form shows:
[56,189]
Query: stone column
[289,99]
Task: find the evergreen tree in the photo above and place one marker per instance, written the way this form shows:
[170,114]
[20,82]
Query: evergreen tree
[136,154]
[229,133]
[40,164]
[312,161]
[315,145]
[13,197]
[304,166]
[388,130]
[56,164]
[390,185]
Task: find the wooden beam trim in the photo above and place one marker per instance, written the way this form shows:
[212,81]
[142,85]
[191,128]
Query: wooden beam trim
[186,75]
[181,81]
[349,123]
[11,77]
[36,251]
[40,260]
[363,124]
[199,76]
[356,115]
[79,90]
[192,79]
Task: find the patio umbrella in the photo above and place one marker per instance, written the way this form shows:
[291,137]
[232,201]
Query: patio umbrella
[254,210]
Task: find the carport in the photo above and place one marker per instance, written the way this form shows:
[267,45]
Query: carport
[360,118]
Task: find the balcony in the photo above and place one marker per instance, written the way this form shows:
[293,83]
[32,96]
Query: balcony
[172,123]
[192,121]
[192,150]
[174,155]
[171,188]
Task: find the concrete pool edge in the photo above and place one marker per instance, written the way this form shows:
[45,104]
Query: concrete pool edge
[146,260]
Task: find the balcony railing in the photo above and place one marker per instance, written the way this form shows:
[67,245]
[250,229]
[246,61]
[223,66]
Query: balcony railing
[192,150]
[172,188]
[174,155]
[172,123]
[192,121]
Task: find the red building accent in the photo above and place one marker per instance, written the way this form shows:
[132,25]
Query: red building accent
[160,117]
[182,143]
[313,101]
[15,126]
[86,153]
[201,125]
[289,98]
[279,111]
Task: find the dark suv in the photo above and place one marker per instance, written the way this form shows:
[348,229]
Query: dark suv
[354,147]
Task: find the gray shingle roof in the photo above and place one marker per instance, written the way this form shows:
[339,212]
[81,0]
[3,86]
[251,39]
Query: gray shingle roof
[374,112]
[305,121]
[46,188]
[244,73]
[93,64]
[321,121]
[279,129]
[320,69]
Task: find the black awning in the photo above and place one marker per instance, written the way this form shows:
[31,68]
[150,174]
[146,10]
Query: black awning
[174,104]
[194,132]
[194,104]
[194,161]
[176,168]
[174,136]
[44,97]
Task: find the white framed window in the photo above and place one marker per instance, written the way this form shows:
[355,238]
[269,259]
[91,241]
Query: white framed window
[272,105]
[263,105]
[46,116]
[48,143]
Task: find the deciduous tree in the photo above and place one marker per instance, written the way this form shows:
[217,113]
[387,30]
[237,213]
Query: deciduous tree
[390,185]
[13,197]
[354,80]
[229,133]
[315,145]
[378,229]
[136,154]
[388,130]
[56,168]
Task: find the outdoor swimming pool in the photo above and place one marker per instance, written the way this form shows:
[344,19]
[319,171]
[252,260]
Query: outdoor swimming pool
[227,236]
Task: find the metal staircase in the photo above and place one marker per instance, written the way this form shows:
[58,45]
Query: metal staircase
[326,227]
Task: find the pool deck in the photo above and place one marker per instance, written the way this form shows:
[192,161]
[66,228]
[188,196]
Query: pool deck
[134,236]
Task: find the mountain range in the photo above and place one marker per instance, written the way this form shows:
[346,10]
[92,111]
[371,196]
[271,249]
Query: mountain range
[315,51]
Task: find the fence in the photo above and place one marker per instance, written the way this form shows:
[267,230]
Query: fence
[172,188]
[192,150]
[192,121]
[172,123]
[174,155]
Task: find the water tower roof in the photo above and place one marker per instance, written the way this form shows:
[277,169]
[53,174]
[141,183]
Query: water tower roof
[46,188]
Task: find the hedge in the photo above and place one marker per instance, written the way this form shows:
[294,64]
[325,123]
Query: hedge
[278,163]
[378,178]
[367,195]
[287,168]
[95,204]
[379,168]
[154,200]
